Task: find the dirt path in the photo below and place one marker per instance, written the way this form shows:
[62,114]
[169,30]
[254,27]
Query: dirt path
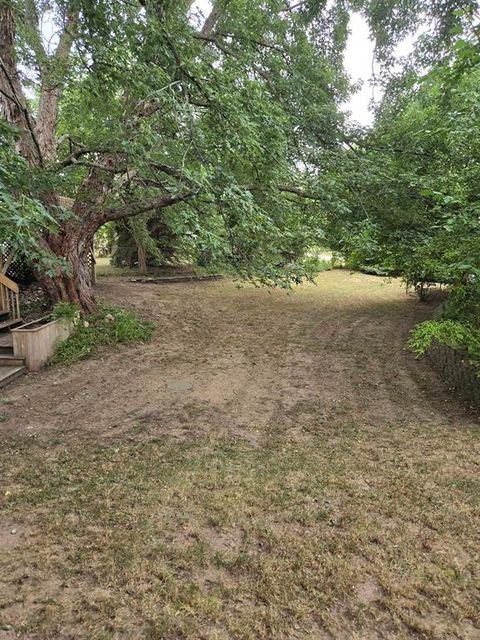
[269,466]
[246,361]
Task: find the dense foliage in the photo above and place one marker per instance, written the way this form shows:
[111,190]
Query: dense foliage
[132,107]
[458,335]
[415,208]
[410,185]
[22,217]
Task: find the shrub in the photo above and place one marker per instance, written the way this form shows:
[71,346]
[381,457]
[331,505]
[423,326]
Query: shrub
[450,332]
[313,265]
[67,311]
[110,325]
[463,304]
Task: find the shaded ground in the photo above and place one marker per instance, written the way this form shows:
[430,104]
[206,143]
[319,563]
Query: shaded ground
[270,466]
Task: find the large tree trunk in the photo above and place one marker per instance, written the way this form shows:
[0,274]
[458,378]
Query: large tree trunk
[72,246]
[12,96]
[72,281]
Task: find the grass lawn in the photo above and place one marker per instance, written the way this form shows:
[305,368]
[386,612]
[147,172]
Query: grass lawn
[104,268]
[338,523]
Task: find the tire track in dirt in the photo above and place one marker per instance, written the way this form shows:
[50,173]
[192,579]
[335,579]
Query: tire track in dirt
[245,362]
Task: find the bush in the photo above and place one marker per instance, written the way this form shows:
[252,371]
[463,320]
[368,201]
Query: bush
[67,311]
[313,265]
[110,325]
[455,334]
[463,304]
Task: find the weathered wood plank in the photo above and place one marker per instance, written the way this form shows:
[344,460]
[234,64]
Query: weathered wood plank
[10,284]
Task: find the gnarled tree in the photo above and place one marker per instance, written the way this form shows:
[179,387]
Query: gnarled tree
[138,105]
[129,108]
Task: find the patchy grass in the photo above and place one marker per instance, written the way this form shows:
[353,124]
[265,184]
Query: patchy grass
[110,325]
[337,538]
[301,477]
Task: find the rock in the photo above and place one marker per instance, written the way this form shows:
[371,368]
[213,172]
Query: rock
[180,385]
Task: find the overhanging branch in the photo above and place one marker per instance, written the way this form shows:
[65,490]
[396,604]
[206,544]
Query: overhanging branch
[297,191]
[73,157]
[137,208]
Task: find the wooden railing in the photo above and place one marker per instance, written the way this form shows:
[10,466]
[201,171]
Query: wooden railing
[9,297]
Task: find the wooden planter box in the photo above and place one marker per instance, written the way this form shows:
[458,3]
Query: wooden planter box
[35,341]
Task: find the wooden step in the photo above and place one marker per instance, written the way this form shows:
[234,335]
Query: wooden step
[8,374]
[8,324]
[6,351]
[6,340]
[4,312]
[9,360]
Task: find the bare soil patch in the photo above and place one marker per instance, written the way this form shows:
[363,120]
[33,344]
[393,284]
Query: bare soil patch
[269,466]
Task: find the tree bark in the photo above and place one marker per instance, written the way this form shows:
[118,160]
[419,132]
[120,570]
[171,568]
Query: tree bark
[45,127]
[212,19]
[72,281]
[142,258]
[52,71]
[12,96]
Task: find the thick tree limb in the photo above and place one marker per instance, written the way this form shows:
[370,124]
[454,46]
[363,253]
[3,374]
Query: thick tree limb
[215,41]
[72,158]
[53,74]
[297,191]
[212,19]
[13,98]
[294,6]
[33,34]
[287,188]
[171,171]
[136,208]
[68,35]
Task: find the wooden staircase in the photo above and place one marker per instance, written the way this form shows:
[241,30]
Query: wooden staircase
[10,366]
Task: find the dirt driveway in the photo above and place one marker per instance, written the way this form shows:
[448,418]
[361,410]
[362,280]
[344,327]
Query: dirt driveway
[270,466]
